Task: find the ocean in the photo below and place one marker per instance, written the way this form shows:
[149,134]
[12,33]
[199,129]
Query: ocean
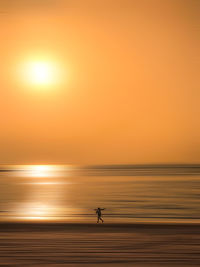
[129,193]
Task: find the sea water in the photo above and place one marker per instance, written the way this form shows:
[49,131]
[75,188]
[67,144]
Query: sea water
[128,194]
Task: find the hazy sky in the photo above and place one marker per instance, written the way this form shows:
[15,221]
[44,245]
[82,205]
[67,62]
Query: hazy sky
[129,90]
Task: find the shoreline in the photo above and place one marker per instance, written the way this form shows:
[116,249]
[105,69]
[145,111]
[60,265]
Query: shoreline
[93,227]
[90,244]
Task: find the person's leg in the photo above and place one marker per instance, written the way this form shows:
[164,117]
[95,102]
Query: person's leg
[98,219]
[101,219]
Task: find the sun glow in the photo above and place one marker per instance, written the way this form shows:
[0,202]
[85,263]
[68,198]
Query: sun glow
[41,73]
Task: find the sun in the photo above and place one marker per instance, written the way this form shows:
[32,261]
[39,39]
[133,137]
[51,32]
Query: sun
[40,73]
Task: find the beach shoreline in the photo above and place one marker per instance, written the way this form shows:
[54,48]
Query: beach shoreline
[93,226]
[67,244]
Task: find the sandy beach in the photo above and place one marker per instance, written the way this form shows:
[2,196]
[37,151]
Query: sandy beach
[43,244]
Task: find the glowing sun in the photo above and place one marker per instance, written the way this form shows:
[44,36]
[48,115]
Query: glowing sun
[41,73]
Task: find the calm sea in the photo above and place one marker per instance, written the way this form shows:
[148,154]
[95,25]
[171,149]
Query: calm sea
[129,193]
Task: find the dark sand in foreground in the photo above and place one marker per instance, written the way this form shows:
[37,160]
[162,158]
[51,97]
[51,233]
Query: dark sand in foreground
[95,245]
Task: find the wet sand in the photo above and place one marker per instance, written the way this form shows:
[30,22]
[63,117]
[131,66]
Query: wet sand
[43,244]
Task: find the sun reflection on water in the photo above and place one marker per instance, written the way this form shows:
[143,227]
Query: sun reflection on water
[45,183]
[35,211]
[41,171]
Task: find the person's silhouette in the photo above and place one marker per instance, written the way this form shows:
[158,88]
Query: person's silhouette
[98,212]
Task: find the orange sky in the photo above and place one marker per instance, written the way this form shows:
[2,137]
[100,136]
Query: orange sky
[130,91]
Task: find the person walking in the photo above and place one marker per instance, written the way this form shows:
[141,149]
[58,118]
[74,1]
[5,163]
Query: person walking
[98,212]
